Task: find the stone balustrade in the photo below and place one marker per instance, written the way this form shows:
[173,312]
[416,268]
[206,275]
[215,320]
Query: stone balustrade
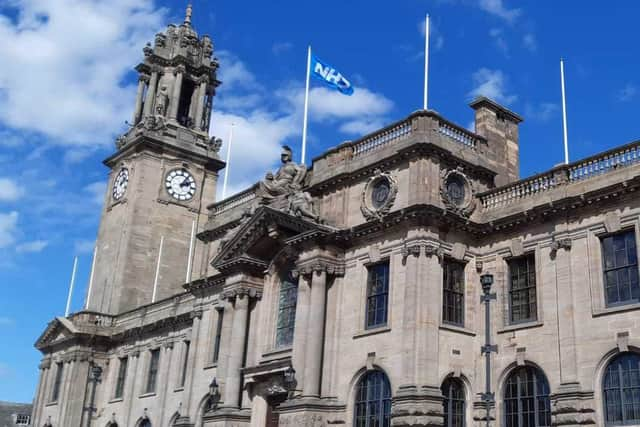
[91,318]
[561,175]
[381,138]
[234,201]
[457,134]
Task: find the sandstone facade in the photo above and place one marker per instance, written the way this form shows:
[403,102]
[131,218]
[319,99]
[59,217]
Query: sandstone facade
[281,317]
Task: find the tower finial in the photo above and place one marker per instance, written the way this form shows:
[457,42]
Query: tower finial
[187,17]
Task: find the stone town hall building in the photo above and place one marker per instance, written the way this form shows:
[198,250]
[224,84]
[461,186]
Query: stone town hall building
[353,292]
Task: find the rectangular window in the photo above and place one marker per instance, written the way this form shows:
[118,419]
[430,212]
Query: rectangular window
[185,361]
[23,420]
[55,394]
[523,303]
[287,310]
[122,375]
[216,342]
[152,376]
[620,265]
[377,294]
[453,292]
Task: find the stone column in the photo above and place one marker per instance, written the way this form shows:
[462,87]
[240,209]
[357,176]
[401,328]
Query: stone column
[237,349]
[130,384]
[191,363]
[174,103]
[202,91]
[142,81]
[167,367]
[566,329]
[315,337]
[151,94]
[300,331]
[41,393]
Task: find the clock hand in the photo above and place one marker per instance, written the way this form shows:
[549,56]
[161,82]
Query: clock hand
[185,183]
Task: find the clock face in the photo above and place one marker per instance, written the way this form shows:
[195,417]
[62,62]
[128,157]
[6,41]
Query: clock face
[120,184]
[180,184]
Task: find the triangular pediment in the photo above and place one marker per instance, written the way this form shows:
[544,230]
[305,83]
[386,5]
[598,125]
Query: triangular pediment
[256,241]
[58,330]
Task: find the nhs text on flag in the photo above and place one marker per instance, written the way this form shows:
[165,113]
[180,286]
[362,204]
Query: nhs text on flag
[330,76]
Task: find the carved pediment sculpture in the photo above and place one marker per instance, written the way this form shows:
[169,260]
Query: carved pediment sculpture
[283,190]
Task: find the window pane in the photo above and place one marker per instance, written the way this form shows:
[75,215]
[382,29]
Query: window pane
[373,401]
[287,310]
[522,289]
[377,294]
[621,390]
[526,399]
[620,263]
[453,292]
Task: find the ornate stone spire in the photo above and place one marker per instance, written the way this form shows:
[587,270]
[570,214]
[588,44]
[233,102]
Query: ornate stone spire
[187,17]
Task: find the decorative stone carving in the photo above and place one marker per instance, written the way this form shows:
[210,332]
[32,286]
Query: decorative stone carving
[572,408]
[215,144]
[432,250]
[560,244]
[612,222]
[283,190]
[458,251]
[517,247]
[160,40]
[378,195]
[457,192]
[410,249]
[154,123]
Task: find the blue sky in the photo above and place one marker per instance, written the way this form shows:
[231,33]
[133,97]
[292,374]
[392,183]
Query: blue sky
[66,88]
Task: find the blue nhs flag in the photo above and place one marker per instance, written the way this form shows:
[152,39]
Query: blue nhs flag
[330,76]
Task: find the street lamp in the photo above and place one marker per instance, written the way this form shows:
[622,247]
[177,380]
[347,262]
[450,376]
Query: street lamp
[214,394]
[290,380]
[486,281]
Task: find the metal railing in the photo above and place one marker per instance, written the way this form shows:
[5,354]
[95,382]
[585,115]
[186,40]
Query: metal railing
[611,160]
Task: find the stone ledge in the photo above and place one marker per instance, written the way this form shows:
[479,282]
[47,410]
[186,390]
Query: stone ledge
[519,326]
[372,331]
[615,309]
[457,329]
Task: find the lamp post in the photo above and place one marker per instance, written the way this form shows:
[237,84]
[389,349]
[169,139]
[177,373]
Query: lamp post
[95,377]
[486,280]
[214,395]
[290,381]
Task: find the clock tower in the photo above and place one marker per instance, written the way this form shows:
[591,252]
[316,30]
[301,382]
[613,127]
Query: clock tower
[162,177]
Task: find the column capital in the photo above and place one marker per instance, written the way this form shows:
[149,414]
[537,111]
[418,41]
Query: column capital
[240,285]
[180,69]
[320,260]
[557,244]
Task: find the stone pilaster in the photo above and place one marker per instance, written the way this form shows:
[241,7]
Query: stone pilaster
[177,89]
[300,330]
[151,94]
[191,371]
[137,111]
[413,406]
[572,408]
[315,337]
[237,348]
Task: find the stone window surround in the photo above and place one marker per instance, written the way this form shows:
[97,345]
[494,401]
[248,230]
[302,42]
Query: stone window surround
[503,284]
[362,278]
[465,303]
[596,271]
[359,272]
[508,289]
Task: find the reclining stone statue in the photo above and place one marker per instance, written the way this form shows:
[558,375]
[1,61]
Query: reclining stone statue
[283,190]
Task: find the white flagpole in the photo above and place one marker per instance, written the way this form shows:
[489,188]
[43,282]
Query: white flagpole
[155,280]
[73,280]
[93,268]
[306,107]
[564,114]
[228,161]
[190,260]
[426,62]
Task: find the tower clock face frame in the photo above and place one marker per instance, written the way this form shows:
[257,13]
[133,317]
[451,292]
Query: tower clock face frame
[120,184]
[180,184]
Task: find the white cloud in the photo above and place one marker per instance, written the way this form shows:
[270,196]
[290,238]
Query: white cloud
[64,63]
[497,34]
[8,228]
[492,84]
[497,8]
[281,47]
[81,247]
[264,121]
[529,41]
[10,191]
[96,191]
[627,93]
[542,112]
[32,247]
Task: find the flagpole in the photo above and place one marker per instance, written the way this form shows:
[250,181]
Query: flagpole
[306,107]
[228,160]
[155,280]
[564,114]
[426,62]
[73,281]
[93,267]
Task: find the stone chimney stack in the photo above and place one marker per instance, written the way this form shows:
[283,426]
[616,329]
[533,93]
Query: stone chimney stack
[500,126]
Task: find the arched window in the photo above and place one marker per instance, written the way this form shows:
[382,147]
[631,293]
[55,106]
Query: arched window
[453,403]
[526,399]
[288,298]
[373,401]
[621,390]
